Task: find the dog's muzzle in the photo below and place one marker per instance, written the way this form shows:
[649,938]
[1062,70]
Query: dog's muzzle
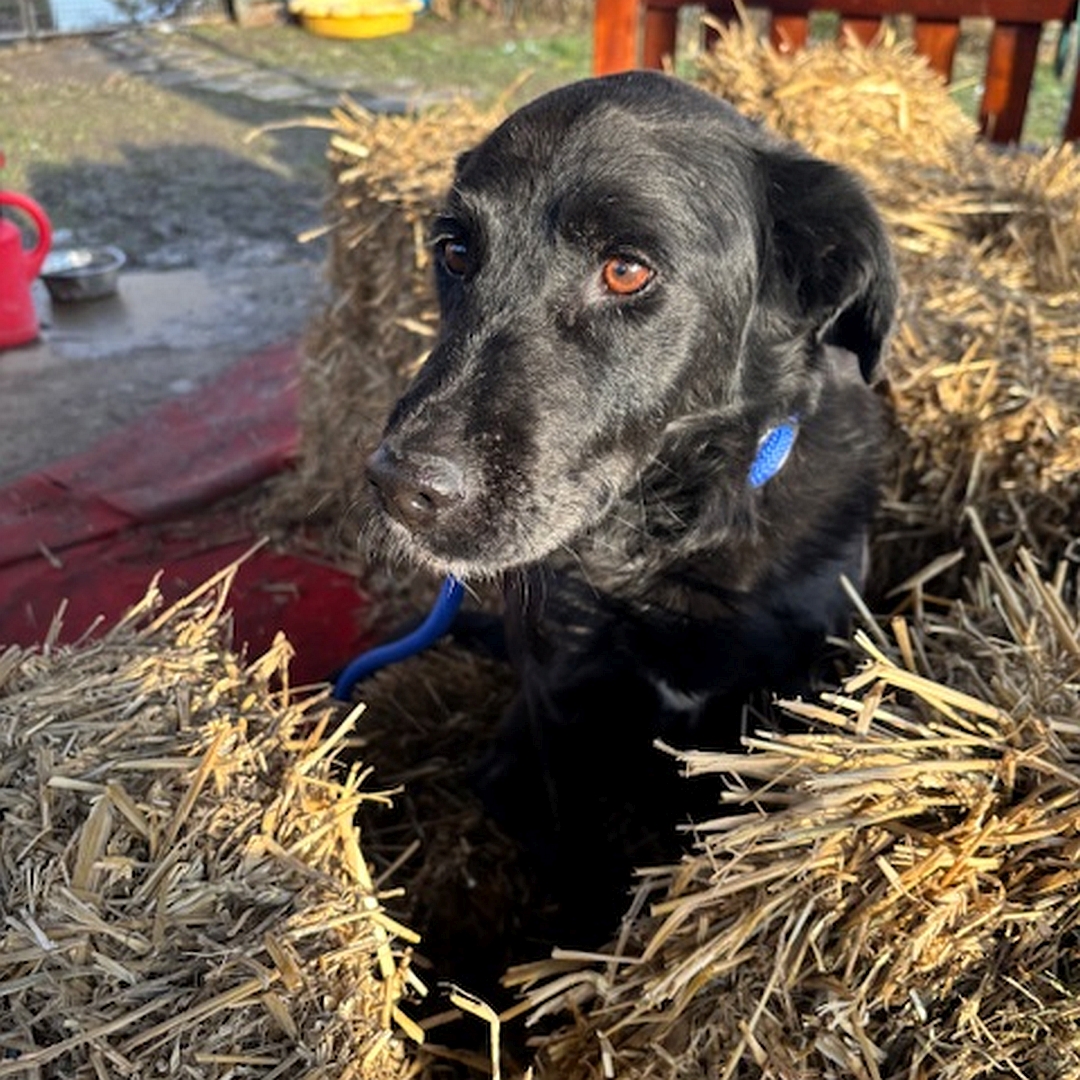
[417,489]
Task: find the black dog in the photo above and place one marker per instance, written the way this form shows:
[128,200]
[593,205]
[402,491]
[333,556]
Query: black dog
[645,301]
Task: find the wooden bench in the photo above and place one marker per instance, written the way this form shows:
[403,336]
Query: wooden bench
[642,33]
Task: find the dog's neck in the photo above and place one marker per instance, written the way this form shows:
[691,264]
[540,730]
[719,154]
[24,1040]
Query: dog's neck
[726,536]
[773,451]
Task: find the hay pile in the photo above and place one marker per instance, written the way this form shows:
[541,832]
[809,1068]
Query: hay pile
[896,892]
[468,885]
[985,366]
[181,883]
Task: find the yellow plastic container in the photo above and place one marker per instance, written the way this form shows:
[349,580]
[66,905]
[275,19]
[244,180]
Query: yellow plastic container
[355,18]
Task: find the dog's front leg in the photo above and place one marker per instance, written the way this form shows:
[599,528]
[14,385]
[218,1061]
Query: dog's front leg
[574,776]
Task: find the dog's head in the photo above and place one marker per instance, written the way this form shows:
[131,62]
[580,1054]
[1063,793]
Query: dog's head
[617,255]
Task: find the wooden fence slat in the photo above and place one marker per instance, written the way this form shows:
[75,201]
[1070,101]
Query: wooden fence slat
[615,36]
[1072,124]
[661,28]
[861,28]
[936,39]
[632,33]
[789,33]
[1010,65]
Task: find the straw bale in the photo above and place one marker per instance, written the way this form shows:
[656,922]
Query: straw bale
[426,721]
[181,883]
[868,108]
[985,365]
[894,892]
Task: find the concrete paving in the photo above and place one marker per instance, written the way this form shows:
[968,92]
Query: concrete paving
[101,364]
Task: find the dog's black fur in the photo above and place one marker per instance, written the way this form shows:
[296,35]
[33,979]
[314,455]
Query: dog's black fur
[593,448]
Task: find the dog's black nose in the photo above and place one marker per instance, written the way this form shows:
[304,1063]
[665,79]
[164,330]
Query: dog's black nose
[415,488]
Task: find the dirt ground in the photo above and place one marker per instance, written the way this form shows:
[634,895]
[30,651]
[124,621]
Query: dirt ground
[120,152]
[207,218]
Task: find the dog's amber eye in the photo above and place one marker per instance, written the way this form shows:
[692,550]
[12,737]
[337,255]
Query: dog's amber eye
[455,257]
[624,277]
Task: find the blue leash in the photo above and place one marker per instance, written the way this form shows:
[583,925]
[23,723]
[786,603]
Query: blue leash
[429,631]
[772,454]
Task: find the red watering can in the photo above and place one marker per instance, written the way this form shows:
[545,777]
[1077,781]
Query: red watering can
[18,268]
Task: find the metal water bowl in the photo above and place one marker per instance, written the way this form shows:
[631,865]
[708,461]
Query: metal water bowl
[74,274]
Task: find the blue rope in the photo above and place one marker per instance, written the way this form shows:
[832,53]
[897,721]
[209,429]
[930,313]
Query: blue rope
[429,631]
[772,452]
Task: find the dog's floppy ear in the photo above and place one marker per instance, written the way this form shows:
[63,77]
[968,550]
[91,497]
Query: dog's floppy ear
[831,263]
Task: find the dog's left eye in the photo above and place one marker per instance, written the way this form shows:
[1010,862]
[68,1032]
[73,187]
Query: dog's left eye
[625,276]
[455,257]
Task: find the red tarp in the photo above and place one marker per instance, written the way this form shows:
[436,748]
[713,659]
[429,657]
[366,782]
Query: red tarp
[94,529]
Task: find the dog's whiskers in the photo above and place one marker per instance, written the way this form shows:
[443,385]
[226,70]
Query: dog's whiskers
[634,519]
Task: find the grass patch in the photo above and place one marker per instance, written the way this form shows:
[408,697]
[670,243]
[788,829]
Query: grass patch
[470,56]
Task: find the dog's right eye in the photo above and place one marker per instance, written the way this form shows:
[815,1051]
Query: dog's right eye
[455,257]
[624,276]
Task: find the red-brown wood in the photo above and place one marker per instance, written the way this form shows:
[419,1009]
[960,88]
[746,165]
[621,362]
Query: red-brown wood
[660,31]
[615,36]
[1009,68]
[859,29]
[1017,11]
[936,39]
[789,33]
[1072,124]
